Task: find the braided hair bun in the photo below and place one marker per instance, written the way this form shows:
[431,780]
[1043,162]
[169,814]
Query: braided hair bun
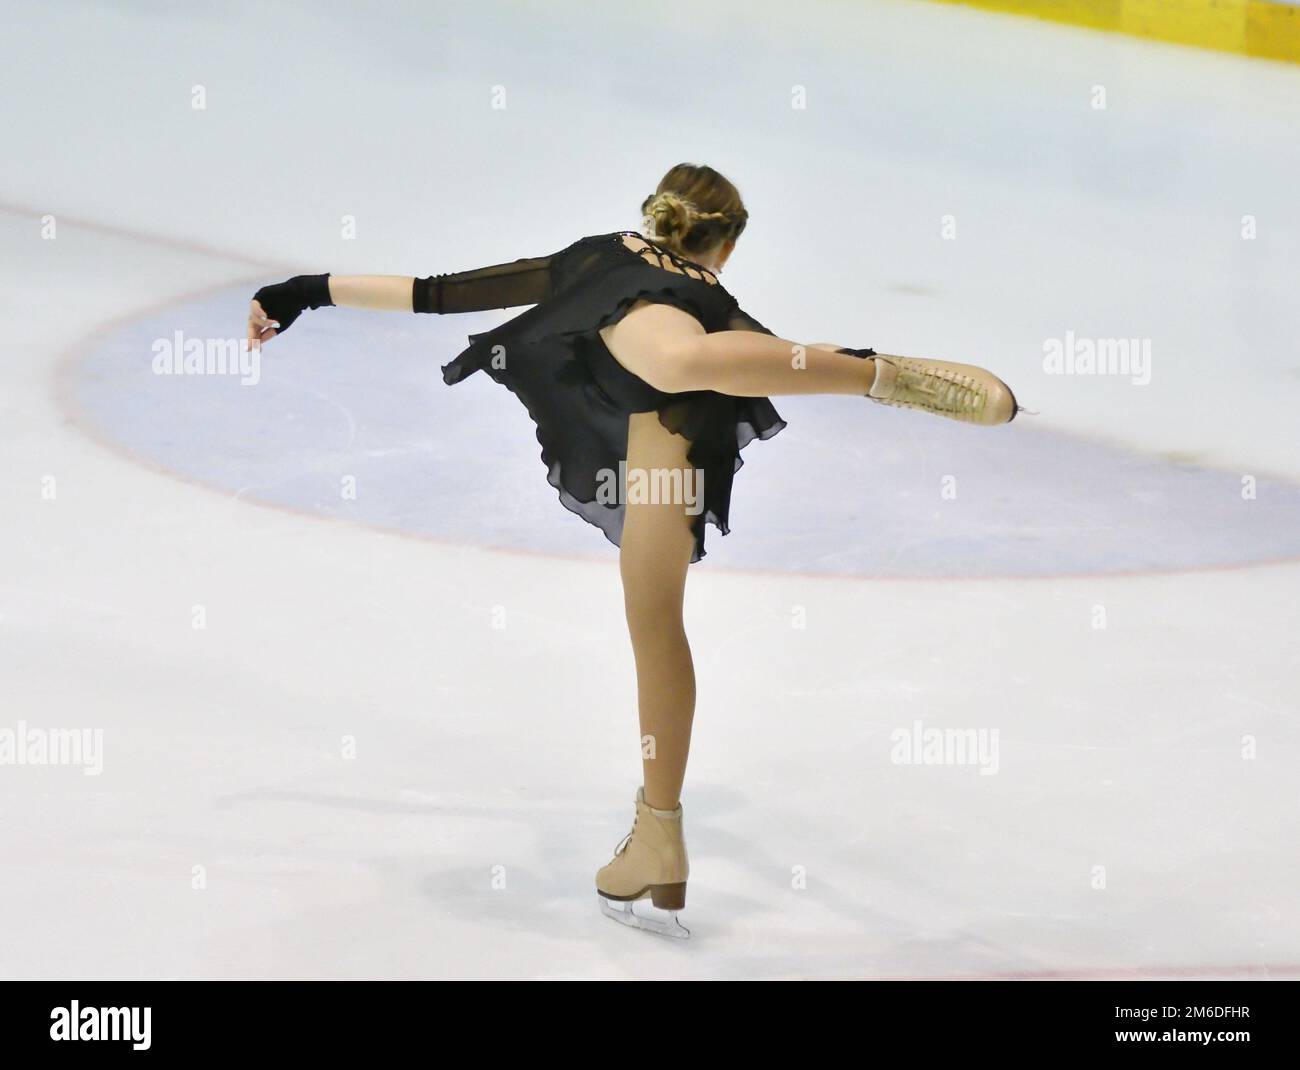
[694,210]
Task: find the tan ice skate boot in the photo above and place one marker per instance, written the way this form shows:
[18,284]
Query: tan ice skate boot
[958,391]
[651,861]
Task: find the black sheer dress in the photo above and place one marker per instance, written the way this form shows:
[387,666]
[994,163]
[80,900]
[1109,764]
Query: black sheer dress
[553,359]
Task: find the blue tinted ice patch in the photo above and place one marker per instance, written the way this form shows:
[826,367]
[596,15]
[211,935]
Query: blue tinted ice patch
[350,419]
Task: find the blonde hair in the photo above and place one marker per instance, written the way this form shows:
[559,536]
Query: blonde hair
[693,210]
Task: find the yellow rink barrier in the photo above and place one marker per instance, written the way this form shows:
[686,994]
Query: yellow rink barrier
[1250,27]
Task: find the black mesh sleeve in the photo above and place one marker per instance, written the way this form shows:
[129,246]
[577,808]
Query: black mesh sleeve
[522,282]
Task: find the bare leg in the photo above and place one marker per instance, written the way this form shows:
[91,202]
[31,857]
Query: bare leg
[670,350]
[656,549]
[749,364]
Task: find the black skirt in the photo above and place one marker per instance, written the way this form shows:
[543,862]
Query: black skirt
[553,359]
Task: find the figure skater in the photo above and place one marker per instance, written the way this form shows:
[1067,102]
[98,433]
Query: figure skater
[645,380]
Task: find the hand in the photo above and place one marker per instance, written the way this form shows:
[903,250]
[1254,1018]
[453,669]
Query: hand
[274,308]
[261,328]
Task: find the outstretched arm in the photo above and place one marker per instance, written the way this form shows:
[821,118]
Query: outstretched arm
[383,293]
[274,308]
[520,282]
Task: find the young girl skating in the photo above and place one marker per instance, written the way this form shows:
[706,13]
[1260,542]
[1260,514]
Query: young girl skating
[645,379]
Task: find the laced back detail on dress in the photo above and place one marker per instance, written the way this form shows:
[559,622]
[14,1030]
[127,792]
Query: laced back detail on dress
[531,280]
[662,257]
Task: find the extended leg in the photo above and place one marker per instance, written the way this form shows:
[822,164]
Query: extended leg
[749,364]
[670,350]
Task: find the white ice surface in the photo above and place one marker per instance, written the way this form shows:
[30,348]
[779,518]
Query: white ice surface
[479,748]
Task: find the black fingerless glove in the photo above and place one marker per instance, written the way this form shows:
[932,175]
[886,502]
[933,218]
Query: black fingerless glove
[286,301]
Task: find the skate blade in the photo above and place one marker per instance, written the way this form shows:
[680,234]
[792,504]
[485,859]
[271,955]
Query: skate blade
[625,915]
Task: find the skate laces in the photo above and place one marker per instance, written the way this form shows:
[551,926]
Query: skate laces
[939,389]
[622,846]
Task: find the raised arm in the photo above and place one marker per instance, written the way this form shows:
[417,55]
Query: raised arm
[520,282]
